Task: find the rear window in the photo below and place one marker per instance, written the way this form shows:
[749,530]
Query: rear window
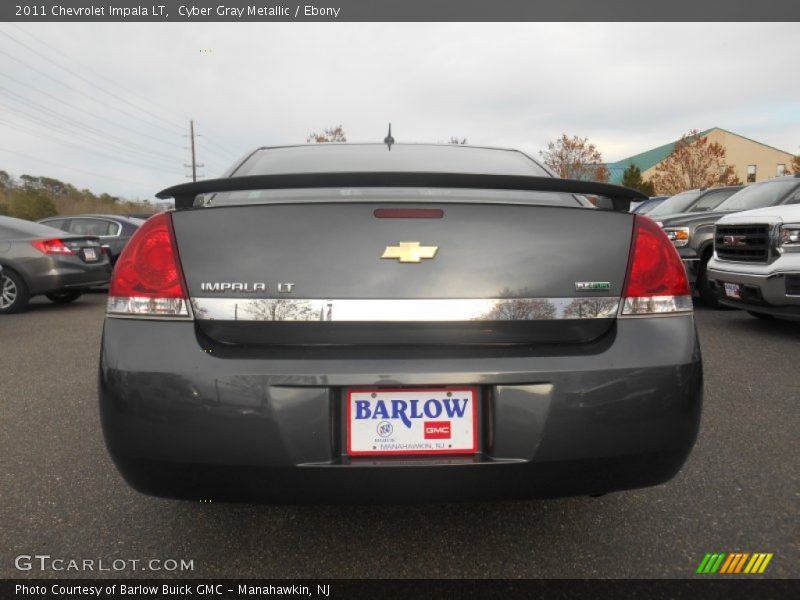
[758,195]
[676,204]
[57,223]
[447,195]
[93,227]
[336,158]
[712,199]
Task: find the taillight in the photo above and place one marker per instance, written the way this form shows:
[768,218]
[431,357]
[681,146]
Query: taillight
[656,282]
[147,279]
[51,247]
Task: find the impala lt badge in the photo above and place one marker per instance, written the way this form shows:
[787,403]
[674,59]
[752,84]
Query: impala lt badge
[409,252]
[219,286]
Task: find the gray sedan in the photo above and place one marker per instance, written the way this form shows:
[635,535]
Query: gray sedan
[37,259]
[114,231]
[393,322]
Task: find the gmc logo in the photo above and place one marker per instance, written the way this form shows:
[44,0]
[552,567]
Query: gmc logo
[437,430]
[734,240]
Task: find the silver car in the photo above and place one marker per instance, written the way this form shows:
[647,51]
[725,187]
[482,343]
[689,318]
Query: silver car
[37,259]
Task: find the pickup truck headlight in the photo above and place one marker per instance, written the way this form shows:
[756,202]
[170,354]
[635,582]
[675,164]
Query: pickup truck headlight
[790,236]
[678,235]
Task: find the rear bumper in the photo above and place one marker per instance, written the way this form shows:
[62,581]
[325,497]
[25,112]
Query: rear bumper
[66,274]
[772,289]
[181,422]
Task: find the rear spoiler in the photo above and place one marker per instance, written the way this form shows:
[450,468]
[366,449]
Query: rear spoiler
[185,193]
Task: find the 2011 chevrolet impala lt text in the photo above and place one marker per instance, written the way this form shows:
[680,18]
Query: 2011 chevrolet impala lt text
[393,322]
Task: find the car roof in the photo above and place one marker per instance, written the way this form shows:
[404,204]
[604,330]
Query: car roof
[335,157]
[23,227]
[94,216]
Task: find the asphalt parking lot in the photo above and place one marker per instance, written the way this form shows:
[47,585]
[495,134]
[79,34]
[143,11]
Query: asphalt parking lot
[60,494]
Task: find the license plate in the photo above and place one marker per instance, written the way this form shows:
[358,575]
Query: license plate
[733,290]
[407,421]
[90,254]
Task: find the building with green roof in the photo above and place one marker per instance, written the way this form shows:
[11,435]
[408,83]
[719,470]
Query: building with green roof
[752,160]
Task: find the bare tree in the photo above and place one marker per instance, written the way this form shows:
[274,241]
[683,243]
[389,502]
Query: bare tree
[585,308]
[694,163]
[520,305]
[282,310]
[456,141]
[575,158]
[796,164]
[523,309]
[331,134]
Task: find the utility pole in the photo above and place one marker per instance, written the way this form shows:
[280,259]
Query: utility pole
[194,164]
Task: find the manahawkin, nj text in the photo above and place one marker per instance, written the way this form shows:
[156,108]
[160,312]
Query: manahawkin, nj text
[185,11]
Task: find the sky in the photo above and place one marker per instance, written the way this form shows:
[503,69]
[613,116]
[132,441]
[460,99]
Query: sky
[106,106]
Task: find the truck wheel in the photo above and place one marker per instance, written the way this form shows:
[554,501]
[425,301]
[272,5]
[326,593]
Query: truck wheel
[64,297]
[14,294]
[704,289]
[761,315]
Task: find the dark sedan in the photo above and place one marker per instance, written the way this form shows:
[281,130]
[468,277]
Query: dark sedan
[38,259]
[693,201]
[356,321]
[114,231]
[644,207]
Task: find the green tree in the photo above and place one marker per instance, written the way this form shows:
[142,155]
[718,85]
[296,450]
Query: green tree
[3,210]
[31,204]
[6,181]
[632,178]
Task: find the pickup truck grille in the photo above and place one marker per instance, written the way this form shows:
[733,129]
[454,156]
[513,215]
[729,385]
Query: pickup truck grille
[742,243]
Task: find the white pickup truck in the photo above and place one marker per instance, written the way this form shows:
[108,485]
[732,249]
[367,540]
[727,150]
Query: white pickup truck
[756,262]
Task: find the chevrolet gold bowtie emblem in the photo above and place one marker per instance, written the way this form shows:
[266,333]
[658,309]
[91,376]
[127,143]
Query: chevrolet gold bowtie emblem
[409,252]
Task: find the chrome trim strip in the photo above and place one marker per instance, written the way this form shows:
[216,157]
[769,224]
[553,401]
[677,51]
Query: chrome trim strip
[422,309]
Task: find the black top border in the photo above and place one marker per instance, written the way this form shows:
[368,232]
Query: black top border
[188,11]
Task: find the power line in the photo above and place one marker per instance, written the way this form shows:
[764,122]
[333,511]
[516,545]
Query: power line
[63,166]
[71,105]
[79,76]
[82,148]
[228,154]
[83,130]
[81,92]
[79,134]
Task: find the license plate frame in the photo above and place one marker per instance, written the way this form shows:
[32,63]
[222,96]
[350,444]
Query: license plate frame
[430,434]
[90,255]
[733,290]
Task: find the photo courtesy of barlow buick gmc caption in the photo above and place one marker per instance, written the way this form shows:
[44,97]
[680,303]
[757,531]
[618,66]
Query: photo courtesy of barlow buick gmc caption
[363,299]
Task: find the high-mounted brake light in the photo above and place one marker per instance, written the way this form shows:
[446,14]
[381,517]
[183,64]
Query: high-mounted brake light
[656,282]
[408,213]
[51,247]
[147,280]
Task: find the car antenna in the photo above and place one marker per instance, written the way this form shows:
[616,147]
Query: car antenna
[389,140]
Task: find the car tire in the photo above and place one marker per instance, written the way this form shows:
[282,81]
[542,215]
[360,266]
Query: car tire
[64,297]
[707,293]
[761,315]
[14,293]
